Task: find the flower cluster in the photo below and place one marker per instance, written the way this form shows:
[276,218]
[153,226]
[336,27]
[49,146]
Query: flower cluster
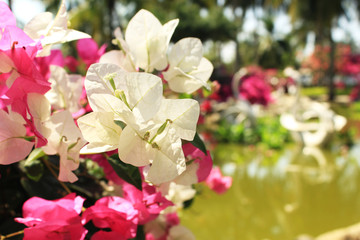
[117,116]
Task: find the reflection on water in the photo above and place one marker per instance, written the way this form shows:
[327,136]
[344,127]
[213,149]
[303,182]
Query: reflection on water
[279,195]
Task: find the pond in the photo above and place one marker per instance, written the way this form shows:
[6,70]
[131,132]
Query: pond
[279,194]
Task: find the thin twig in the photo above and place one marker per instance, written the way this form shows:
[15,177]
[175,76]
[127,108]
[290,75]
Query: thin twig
[11,235]
[55,175]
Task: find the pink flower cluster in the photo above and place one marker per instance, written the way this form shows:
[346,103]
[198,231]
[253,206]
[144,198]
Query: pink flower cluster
[65,219]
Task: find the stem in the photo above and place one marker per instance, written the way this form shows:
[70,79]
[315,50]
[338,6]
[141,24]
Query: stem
[11,235]
[55,175]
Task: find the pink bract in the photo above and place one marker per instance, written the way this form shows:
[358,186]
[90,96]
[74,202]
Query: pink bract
[148,202]
[204,161]
[89,51]
[53,219]
[7,18]
[115,213]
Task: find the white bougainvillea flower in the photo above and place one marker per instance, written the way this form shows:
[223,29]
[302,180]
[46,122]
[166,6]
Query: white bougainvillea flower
[64,137]
[148,40]
[177,194]
[153,126]
[140,93]
[164,153]
[66,140]
[50,30]
[13,146]
[65,90]
[100,130]
[188,69]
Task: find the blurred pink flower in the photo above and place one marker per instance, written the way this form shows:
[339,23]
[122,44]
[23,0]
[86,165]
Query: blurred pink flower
[255,89]
[53,219]
[217,182]
[89,51]
[71,63]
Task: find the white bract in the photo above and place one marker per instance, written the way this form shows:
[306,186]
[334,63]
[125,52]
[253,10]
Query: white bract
[50,30]
[13,146]
[119,58]
[65,90]
[100,130]
[64,137]
[147,40]
[188,69]
[153,126]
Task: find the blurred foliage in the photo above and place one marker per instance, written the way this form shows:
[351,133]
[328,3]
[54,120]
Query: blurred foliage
[267,131]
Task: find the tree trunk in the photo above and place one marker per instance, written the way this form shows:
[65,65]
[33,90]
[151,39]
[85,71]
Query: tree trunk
[331,71]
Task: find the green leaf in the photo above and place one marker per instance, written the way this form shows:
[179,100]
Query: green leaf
[35,154]
[127,172]
[198,142]
[120,123]
[32,166]
[34,170]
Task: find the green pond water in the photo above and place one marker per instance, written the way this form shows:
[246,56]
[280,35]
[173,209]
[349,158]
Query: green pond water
[279,194]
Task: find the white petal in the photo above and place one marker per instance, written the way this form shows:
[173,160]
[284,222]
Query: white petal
[186,54]
[181,82]
[141,28]
[6,64]
[183,113]
[37,26]
[107,103]
[100,128]
[159,45]
[93,148]
[14,150]
[169,161]
[97,80]
[117,57]
[143,92]
[39,106]
[133,150]
[203,71]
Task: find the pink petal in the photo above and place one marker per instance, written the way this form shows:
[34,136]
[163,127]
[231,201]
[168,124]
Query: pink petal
[7,18]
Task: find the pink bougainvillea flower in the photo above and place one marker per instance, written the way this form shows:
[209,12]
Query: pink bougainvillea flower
[89,51]
[71,63]
[53,219]
[19,77]
[24,78]
[204,162]
[55,58]
[11,36]
[7,18]
[148,202]
[115,213]
[217,182]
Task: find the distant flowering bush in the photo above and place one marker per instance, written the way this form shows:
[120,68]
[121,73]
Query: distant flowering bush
[122,145]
